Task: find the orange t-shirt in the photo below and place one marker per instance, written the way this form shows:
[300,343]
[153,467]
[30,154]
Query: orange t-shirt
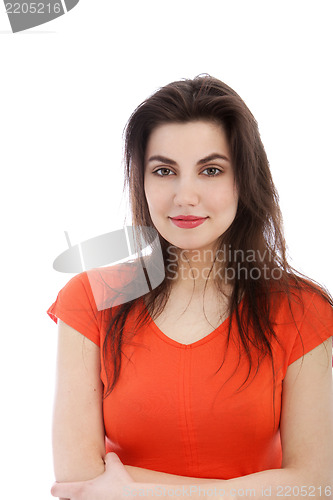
[171,412]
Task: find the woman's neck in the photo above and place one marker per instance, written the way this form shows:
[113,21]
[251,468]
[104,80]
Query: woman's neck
[194,271]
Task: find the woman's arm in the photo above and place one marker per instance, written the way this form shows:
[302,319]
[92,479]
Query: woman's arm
[78,429]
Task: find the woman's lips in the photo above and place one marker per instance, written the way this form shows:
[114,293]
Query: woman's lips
[189,222]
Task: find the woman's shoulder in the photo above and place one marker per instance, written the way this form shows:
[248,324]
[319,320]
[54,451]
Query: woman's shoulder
[115,285]
[304,318]
[99,286]
[303,306]
[298,294]
[86,300]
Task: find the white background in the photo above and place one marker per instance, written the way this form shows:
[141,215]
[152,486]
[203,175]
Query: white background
[67,89]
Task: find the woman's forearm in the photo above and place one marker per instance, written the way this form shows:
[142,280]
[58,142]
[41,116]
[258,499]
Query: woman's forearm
[279,483]
[274,483]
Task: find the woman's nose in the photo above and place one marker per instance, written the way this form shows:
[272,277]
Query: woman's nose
[186,192]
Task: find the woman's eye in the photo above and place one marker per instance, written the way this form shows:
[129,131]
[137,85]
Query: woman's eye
[162,169]
[215,170]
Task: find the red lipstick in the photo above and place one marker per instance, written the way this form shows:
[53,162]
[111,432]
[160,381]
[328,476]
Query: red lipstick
[187,221]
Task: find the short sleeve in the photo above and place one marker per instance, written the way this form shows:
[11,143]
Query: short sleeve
[75,305]
[316,327]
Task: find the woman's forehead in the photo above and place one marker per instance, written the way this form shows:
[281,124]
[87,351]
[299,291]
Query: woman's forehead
[197,138]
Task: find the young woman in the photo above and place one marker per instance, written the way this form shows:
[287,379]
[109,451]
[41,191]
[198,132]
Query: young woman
[218,381]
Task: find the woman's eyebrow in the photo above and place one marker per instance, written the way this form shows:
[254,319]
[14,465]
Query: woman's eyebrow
[213,156]
[162,159]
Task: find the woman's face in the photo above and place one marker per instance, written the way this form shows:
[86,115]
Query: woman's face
[188,172]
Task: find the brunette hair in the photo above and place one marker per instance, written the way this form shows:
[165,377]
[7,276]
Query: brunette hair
[257,226]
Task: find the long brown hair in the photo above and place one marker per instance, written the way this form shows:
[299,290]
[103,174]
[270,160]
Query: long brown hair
[256,229]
